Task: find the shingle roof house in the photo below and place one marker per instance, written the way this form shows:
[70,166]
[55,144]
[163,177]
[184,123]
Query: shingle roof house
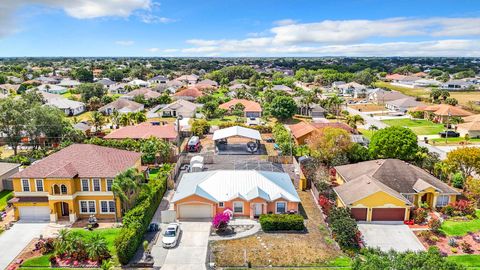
[144,131]
[386,189]
[122,105]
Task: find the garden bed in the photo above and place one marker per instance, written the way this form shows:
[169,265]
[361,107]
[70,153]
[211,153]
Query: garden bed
[231,230]
[446,248]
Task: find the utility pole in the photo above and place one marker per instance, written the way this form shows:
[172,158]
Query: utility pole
[448,125]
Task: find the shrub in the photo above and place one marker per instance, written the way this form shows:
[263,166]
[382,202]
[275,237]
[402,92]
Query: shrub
[452,242]
[325,203]
[454,250]
[137,220]
[433,239]
[200,127]
[45,246]
[344,228]
[459,208]
[220,221]
[458,180]
[420,215]
[425,234]
[434,224]
[282,222]
[466,247]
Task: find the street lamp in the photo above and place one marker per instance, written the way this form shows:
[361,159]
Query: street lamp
[179,118]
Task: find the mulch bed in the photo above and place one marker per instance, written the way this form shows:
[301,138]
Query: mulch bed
[231,230]
[444,247]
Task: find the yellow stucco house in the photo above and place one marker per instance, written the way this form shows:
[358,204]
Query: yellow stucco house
[387,189]
[72,183]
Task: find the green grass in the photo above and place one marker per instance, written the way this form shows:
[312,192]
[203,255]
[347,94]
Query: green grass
[3,198]
[109,234]
[461,228]
[419,127]
[42,261]
[367,133]
[456,139]
[218,121]
[472,262]
[86,116]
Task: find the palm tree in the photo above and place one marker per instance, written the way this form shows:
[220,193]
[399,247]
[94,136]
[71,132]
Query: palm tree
[126,186]
[60,243]
[373,128]
[115,118]
[98,120]
[352,120]
[96,247]
[443,169]
[139,117]
[125,119]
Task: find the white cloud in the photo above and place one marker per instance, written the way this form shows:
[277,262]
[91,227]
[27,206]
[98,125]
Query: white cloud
[153,50]
[285,22]
[150,18]
[354,38]
[125,42]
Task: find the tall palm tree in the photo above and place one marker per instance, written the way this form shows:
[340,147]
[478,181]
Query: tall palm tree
[139,117]
[115,118]
[444,170]
[125,119]
[126,186]
[352,120]
[98,120]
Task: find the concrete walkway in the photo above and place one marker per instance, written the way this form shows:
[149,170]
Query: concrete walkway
[240,222]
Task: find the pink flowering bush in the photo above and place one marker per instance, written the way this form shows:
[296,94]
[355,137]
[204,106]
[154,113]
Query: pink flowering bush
[220,221]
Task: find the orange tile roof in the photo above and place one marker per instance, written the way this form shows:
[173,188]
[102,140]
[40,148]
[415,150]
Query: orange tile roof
[444,110]
[82,160]
[335,125]
[144,131]
[189,92]
[250,106]
[470,126]
[301,129]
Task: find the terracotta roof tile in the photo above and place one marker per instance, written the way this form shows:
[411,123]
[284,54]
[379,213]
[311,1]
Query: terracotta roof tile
[144,131]
[250,106]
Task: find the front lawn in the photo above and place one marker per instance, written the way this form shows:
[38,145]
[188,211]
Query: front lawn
[461,228]
[367,133]
[472,262]
[312,249]
[85,116]
[4,196]
[42,261]
[455,140]
[230,118]
[110,234]
[419,127]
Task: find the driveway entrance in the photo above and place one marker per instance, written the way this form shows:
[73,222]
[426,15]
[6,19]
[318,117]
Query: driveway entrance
[386,237]
[191,251]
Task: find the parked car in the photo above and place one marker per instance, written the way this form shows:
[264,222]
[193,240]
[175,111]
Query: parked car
[170,236]
[449,134]
[193,144]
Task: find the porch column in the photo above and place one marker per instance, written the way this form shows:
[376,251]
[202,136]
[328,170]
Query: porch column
[434,200]
[72,217]
[252,210]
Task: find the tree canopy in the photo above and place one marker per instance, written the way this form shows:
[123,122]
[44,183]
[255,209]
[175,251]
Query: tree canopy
[282,107]
[394,142]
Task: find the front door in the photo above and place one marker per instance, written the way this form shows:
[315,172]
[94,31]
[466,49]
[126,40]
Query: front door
[258,209]
[64,209]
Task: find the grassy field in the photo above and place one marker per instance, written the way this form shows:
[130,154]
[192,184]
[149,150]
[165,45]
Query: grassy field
[461,228]
[81,117]
[4,197]
[218,121]
[419,127]
[414,92]
[472,262]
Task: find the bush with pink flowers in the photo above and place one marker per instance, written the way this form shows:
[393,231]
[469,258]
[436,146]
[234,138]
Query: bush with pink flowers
[220,221]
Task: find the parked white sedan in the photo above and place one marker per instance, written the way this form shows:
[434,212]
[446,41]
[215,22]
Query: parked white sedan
[170,236]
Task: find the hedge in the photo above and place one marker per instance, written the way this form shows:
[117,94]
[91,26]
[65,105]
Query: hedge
[137,220]
[282,222]
[260,128]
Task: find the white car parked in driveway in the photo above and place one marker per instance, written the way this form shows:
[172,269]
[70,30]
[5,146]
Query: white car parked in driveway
[170,236]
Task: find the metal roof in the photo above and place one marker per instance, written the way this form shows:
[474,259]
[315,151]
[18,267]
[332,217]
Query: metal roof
[237,131]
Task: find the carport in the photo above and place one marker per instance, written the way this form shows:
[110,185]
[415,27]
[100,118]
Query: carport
[245,141]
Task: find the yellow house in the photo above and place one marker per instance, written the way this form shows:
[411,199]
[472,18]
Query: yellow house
[73,183]
[387,189]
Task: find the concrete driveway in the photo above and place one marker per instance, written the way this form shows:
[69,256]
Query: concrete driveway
[190,253]
[13,241]
[386,237]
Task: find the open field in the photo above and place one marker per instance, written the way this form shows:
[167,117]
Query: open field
[414,92]
[314,248]
[419,127]
[464,97]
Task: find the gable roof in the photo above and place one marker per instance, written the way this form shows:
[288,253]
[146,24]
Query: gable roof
[470,126]
[301,129]
[189,92]
[180,104]
[82,160]
[407,102]
[5,167]
[226,185]
[146,92]
[144,131]
[250,106]
[396,174]
[236,131]
[122,103]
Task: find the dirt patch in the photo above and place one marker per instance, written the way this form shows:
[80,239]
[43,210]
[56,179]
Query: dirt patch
[368,107]
[282,249]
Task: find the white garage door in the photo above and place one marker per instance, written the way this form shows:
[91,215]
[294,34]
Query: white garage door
[34,213]
[195,211]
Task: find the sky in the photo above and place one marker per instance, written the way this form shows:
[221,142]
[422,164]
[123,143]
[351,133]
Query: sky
[263,28]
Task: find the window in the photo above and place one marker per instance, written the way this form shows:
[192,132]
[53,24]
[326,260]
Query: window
[221,204]
[442,200]
[96,184]
[238,207]
[85,185]
[25,185]
[107,206]
[63,188]
[109,184]
[39,185]
[409,197]
[281,207]
[91,206]
[83,207]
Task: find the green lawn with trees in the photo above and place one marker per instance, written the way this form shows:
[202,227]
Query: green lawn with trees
[419,127]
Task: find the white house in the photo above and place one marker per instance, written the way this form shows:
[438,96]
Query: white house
[138,82]
[52,89]
[456,85]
